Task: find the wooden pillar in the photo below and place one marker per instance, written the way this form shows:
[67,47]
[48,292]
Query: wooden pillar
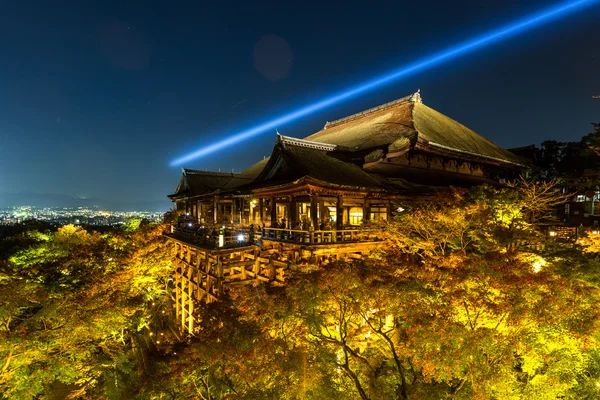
[219,276]
[242,210]
[256,267]
[273,211]
[177,288]
[215,210]
[271,270]
[339,223]
[199,277]
[209,279]
[314,199]
[261,211]
[366,212]
[293,212]
[234,210]
[206,278]
[190,299]
[323,211]
[183,299]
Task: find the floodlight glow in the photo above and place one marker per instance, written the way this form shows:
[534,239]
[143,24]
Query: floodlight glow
[504,32]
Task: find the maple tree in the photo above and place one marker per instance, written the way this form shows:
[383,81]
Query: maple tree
[465,299]
[72,307]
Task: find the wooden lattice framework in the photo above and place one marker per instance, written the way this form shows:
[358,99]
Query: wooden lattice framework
[202,276]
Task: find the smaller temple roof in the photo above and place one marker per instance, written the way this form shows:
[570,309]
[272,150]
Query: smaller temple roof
[293,159]
[254,170]
[196,183]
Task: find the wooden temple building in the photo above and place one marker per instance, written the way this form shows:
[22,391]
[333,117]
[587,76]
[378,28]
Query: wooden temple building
[312,200]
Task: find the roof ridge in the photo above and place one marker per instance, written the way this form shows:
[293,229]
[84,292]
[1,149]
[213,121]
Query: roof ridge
[189,171]
[305,143]
[415,98]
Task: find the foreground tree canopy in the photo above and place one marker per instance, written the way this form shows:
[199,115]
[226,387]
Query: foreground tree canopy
[467,299]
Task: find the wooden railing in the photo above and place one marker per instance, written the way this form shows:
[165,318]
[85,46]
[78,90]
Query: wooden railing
[217,238]
[315,237]
[213,238]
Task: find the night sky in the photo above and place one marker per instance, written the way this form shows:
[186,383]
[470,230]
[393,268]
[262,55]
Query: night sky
[96,98]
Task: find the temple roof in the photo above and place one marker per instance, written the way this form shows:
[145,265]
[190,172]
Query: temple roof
[335,154]
[409,119]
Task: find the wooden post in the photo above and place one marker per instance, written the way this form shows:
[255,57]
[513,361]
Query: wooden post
[205,283]
[234,210]
[339,223]
[209,281]
[313,212]
[177,289]
[242,209]
[271,268]
[273,211]
[215,211]
[261,211]
[256,267]
[190,300]
[219,276]
[293,212]
[198,279]
[183,292]
[323,211]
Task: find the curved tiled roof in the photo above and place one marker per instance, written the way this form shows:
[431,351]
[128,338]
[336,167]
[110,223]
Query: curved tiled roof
[196,183]
[294,159]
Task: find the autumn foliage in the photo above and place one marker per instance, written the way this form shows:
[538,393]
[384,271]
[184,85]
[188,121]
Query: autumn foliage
[466,299]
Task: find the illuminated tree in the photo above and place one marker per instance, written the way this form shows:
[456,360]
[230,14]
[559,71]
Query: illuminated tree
[78,311]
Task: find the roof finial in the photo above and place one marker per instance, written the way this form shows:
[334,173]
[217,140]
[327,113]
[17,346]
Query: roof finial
[416,97]
[279,137]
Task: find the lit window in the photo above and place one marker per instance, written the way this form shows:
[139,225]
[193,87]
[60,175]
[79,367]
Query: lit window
[378,213]
[580,198]
[356,215]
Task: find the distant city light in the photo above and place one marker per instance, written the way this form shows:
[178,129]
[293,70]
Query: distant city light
[530,21]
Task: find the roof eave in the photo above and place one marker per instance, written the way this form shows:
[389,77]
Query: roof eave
[425,144]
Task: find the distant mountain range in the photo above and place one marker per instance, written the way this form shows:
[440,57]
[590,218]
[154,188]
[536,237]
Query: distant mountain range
[42,200]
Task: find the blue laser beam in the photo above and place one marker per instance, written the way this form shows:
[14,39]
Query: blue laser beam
[515,27]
